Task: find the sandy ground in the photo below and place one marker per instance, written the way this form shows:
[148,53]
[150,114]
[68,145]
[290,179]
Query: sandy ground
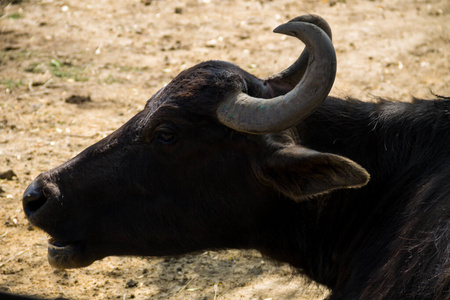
[73,71]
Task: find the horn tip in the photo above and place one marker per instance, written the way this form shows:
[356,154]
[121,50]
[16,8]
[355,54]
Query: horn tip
[282,29]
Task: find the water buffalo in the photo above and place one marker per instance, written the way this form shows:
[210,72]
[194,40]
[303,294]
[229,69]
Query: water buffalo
[221,159]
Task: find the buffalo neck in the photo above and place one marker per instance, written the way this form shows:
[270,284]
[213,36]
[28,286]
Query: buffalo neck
[390,140]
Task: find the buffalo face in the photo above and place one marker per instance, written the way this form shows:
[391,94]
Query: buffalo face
[201,167]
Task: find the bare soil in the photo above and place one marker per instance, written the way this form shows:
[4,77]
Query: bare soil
[73,71]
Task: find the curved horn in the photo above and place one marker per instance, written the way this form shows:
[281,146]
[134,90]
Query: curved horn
[292,75]
[258,116]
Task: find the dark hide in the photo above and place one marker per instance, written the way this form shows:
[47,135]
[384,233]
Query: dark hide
[391,239]
[173,180]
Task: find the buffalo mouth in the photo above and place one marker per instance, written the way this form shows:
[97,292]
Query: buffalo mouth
[67,255]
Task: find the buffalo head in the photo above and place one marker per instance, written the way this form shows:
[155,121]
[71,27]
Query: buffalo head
[208,161]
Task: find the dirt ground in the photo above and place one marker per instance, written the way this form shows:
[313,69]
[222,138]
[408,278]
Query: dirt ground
[73,71]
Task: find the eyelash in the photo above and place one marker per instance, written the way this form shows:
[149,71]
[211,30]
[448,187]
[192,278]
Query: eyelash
[165,134]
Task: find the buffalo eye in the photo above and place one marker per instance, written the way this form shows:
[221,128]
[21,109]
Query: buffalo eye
[165,136]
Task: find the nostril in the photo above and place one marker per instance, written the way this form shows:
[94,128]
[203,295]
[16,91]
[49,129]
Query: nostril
[33,204]
[33,200]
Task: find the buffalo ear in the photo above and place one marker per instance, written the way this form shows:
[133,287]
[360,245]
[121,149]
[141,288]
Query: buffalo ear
[300,173]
